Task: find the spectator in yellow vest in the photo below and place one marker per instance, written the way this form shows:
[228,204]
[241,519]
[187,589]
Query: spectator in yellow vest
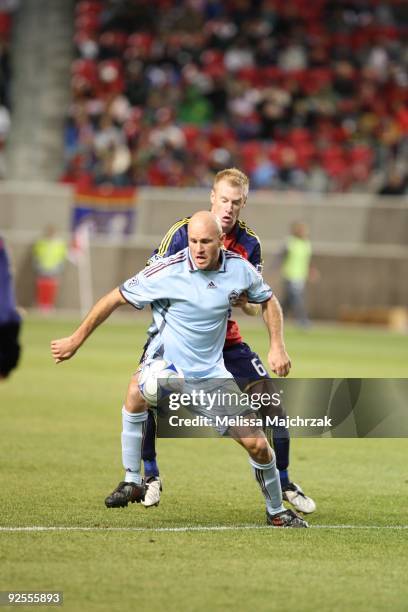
[49,255]
[296,270]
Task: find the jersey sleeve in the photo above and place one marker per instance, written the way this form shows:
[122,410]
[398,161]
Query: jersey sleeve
[258,291]
[174,241]
[256,258]
[141,290]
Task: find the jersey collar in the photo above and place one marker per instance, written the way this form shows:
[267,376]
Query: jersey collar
[233,232]
[193,268]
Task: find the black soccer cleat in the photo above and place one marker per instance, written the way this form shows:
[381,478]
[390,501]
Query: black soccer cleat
[124,493]
[286,518]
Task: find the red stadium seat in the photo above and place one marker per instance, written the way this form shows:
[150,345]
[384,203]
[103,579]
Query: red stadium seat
[249,152]
[5,24]
[190,132]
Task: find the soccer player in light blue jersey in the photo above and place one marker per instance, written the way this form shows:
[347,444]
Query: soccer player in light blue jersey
[190,294]
[228,199]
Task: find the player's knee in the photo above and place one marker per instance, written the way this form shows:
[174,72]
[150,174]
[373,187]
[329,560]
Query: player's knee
[260,450]
[134,401]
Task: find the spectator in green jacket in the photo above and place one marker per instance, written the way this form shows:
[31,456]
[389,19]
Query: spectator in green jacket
[296,271]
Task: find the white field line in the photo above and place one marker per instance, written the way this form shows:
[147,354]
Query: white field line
[37,528]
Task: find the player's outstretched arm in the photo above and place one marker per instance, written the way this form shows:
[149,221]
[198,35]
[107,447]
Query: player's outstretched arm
[278,359]
[65,348]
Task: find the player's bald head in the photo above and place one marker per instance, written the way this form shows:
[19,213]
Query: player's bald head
[205,240]
[205,222]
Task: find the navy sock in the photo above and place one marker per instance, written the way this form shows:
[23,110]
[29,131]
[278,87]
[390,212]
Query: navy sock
[281,443]
[284,478]
[151,468]
[149,448]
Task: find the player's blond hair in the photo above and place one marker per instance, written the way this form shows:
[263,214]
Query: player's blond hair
[235,177]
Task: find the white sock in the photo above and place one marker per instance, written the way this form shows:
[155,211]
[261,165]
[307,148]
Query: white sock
[268,479]
[133,431]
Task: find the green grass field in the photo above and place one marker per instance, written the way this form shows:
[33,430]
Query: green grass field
[60,456]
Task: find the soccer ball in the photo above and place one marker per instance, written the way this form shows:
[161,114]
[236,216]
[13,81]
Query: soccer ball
[158,378]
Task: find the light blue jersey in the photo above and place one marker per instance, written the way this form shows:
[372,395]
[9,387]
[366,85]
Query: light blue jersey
[191,307]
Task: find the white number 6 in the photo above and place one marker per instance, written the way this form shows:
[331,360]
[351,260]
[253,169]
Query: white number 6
[258,367]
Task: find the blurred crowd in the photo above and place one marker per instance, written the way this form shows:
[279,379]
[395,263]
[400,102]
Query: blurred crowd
[7,8]
[300,94]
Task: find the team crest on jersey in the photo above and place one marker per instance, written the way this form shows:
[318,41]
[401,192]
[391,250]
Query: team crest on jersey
[233,296]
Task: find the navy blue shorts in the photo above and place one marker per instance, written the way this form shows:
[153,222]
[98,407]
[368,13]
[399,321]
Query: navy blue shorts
[245,365]
[247,368]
